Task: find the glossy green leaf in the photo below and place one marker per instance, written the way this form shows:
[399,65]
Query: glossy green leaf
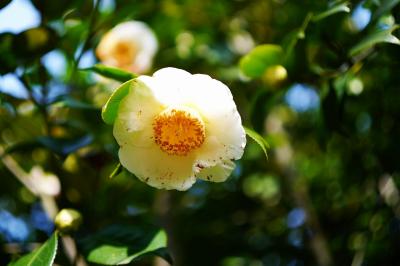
[258,139]
[342,7]
[44,256]
[252,66]
[119,244]
[110,109]
[381,36]
[260,58]
[112,72]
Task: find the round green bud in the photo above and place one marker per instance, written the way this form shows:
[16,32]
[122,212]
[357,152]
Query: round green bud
[68,220]
[275,76]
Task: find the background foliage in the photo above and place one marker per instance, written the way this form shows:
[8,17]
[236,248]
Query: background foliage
[328,194]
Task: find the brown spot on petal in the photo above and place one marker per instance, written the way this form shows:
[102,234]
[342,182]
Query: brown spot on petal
[200,166]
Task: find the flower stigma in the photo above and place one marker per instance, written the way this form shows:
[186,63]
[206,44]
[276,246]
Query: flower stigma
[178,131]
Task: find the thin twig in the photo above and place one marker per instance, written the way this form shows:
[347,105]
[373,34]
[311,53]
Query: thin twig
[17,171]
[88,38]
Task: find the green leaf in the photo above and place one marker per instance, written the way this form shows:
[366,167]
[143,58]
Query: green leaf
[343,7]
[61,146]
[384,7]
[70,102]
[110,109]
[8,60]
[65,146]
[258,139]
[260,58]
[44,256]
[120,244]
[8,108]
[252,66]
[51,10]
[24,146]
[112,72]
[32,43]
[380,36]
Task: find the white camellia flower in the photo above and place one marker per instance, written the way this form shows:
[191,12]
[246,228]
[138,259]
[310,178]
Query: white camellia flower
[129,45]
[44,183]
[175,127]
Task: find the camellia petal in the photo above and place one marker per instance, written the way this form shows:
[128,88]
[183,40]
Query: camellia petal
[175,127]
[217,173]
[218,109]
[169,85]
[158,169]
[138,108]
[130,45]
[44,183]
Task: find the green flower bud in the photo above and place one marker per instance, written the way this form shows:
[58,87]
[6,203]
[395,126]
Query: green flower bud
[68,220]
[275,76]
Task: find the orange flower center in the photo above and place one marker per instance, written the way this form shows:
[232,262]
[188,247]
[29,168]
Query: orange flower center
[178,131]
[124,53]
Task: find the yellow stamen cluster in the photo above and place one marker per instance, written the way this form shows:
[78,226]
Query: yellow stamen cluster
[178,131]
[124,53]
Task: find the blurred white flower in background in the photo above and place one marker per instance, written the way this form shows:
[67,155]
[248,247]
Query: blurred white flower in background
[130,46]
[241,42]
[44,183]
[175,127]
